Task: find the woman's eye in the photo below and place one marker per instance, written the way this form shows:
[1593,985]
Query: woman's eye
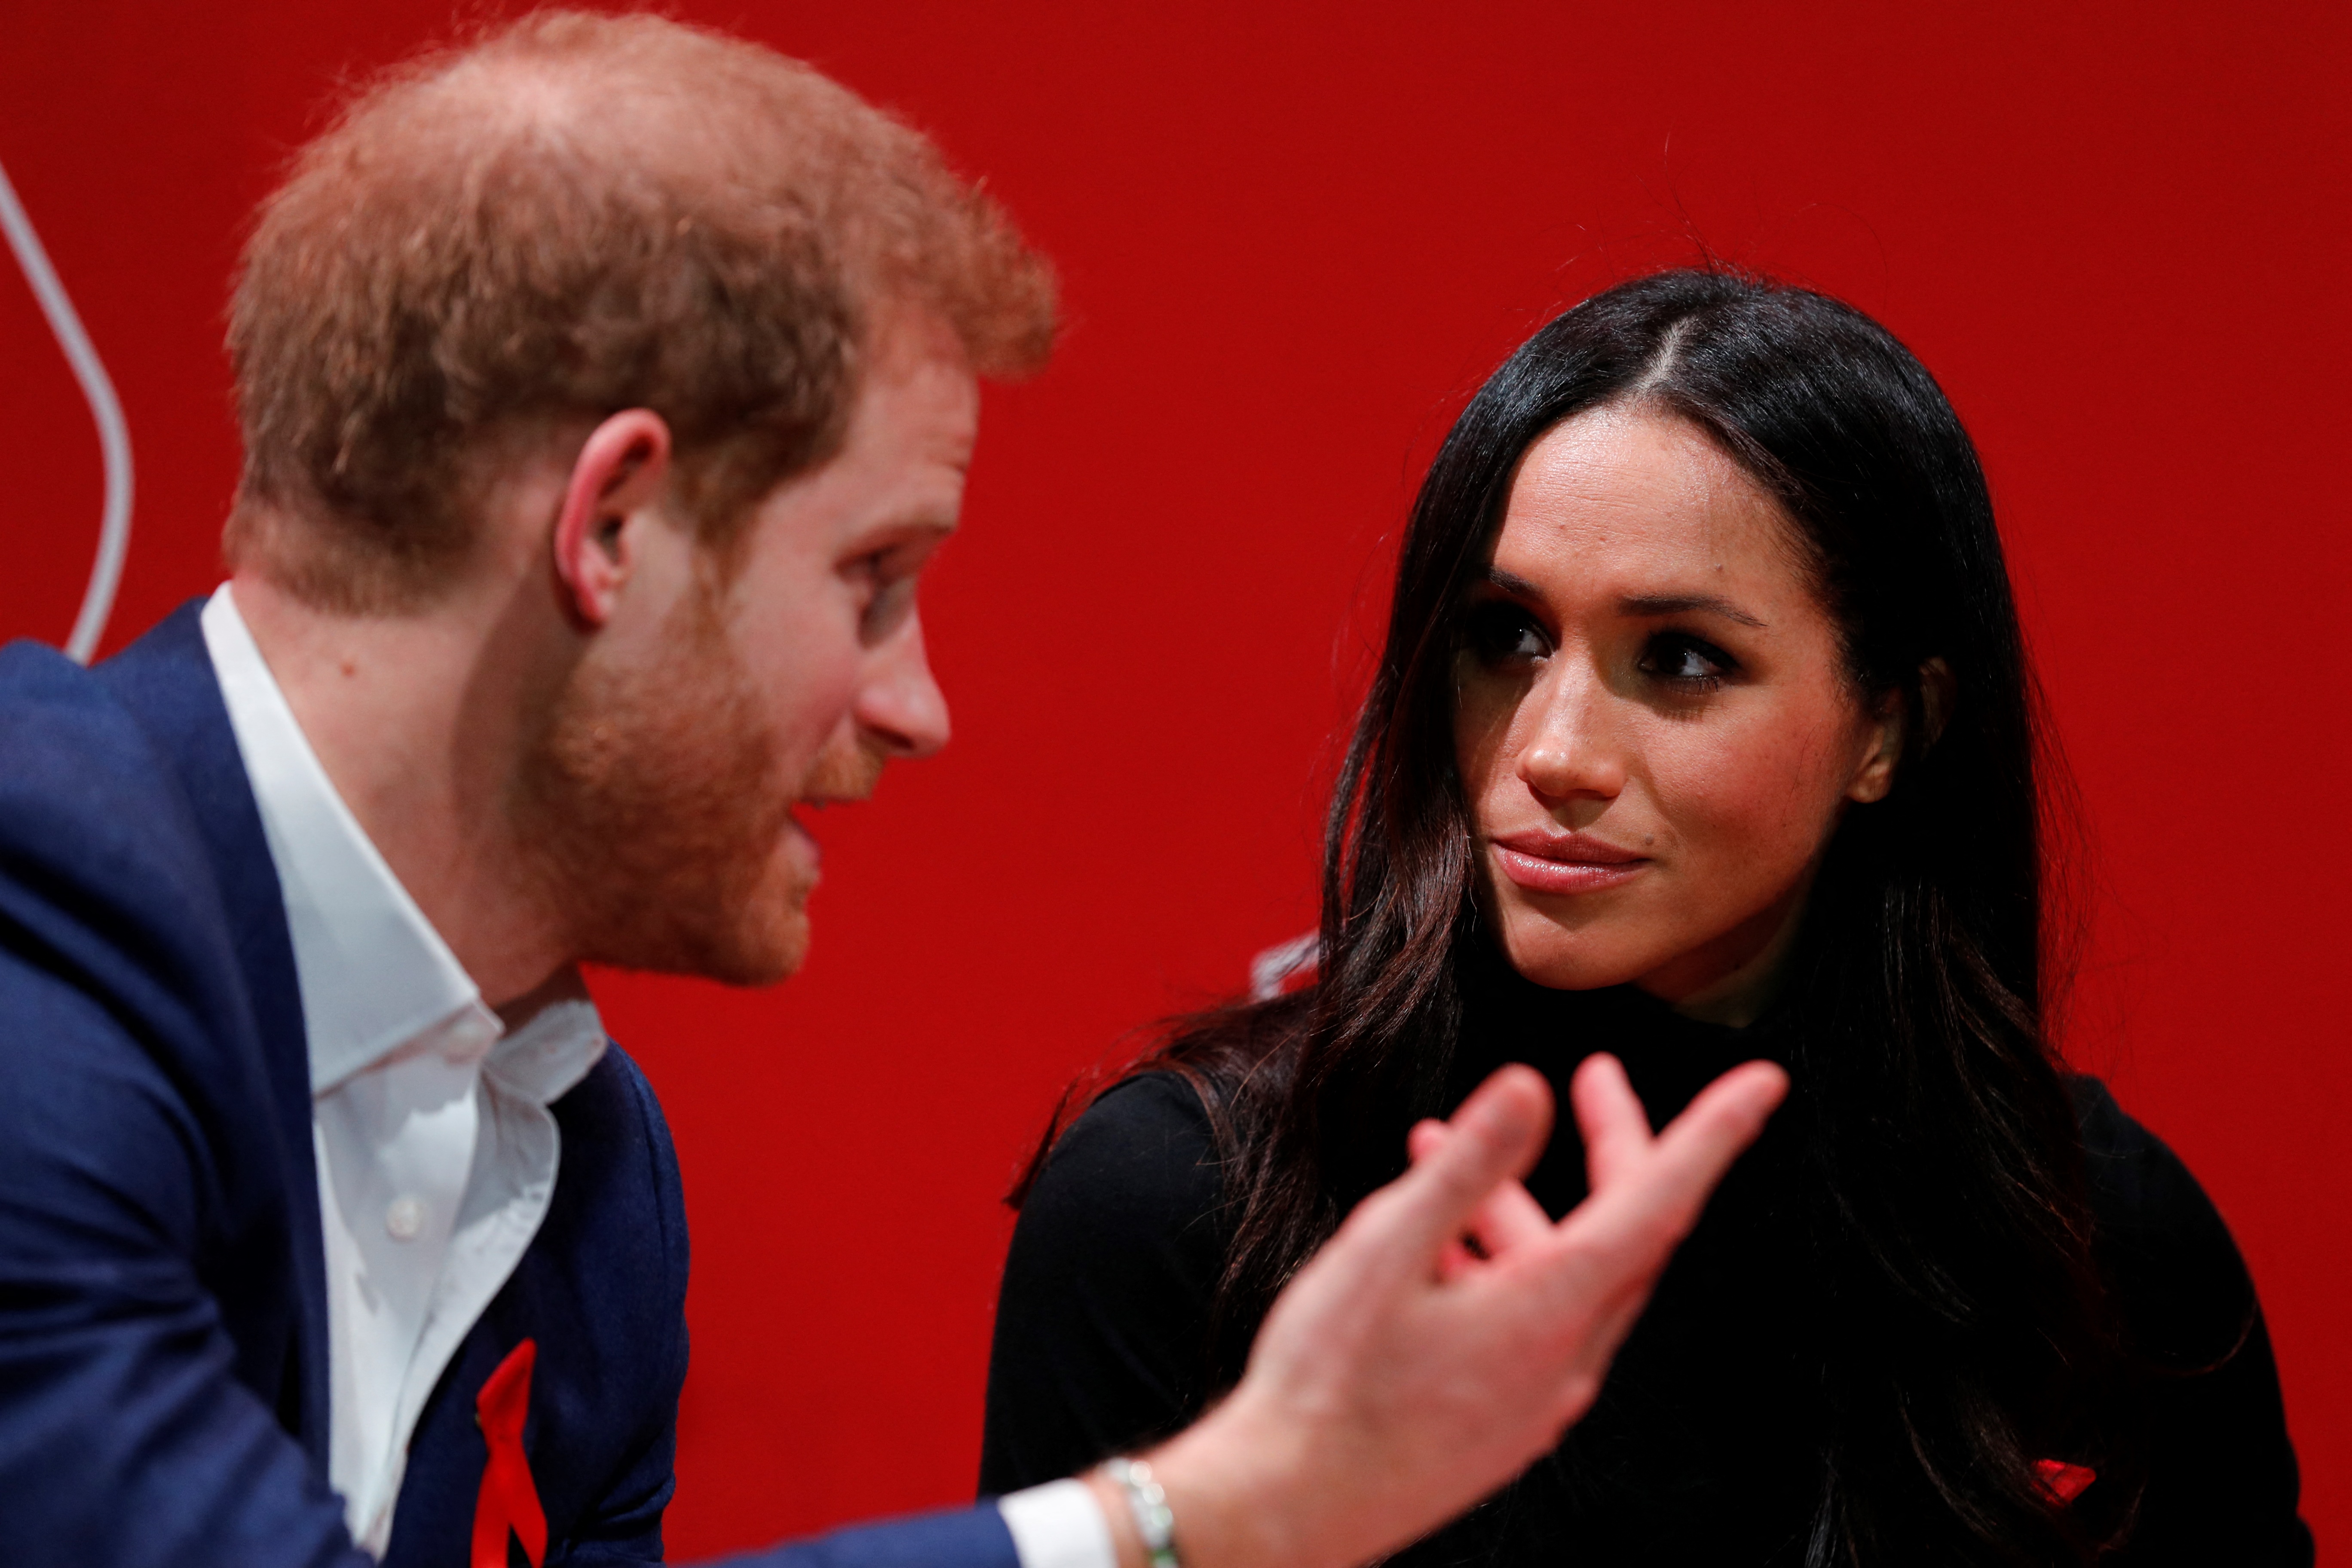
[1686,661]
[1504,633]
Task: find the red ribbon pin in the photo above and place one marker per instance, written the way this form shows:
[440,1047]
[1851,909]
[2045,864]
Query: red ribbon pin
[509,1500]
[2062,1480]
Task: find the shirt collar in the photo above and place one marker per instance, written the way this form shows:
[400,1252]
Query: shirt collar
[374,975]
[551,1051]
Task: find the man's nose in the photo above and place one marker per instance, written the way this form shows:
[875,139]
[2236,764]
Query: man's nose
[1574,750]
[901,705]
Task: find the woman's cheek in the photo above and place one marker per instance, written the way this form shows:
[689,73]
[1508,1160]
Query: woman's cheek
[1741,810]
[1482,733]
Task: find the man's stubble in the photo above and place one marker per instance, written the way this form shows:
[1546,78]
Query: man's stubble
[654,808]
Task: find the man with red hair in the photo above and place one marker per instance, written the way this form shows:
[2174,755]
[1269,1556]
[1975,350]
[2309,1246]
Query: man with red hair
[606,386]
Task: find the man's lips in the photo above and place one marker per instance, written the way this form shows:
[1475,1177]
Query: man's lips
[795,819]
[1545,862]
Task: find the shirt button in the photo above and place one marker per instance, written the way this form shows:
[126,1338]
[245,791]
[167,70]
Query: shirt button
[404,1219]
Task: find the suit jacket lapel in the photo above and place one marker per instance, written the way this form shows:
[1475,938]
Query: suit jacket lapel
[166,679]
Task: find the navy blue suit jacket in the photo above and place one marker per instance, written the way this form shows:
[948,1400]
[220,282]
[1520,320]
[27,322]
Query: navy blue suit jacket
[163,1302]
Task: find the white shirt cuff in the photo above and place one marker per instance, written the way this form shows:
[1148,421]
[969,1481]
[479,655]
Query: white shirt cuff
[1058,1525]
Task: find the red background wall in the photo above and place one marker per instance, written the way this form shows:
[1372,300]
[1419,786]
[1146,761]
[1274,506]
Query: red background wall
[1293,240]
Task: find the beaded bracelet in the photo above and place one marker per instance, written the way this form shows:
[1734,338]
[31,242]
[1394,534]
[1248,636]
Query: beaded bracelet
[1148,1501]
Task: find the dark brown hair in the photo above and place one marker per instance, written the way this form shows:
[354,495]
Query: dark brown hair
[567,217]
[1947,1209]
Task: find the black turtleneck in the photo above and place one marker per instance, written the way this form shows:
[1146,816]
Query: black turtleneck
[1704,1446]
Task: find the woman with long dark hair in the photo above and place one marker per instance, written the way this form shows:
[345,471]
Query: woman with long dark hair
[1702,731]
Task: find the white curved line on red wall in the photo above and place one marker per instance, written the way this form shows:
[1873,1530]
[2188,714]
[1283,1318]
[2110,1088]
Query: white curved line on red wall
[105,408]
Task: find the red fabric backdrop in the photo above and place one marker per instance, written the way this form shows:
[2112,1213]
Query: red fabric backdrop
[1293,240]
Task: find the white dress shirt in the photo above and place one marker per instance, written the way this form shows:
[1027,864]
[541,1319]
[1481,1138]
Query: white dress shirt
[437,1150]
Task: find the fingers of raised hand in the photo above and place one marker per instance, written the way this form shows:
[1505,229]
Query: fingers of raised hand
[1616,1129]
[1494,1136]
[1517,1093]
[1604,1257]
[1651,1195]
[1700,1144]
[1509,1219]
[1456,1259]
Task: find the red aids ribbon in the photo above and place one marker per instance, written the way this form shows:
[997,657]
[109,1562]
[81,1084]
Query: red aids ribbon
[2062,1480]
[510,1500]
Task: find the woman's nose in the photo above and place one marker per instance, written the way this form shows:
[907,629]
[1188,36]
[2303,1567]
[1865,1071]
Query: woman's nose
[1572,749]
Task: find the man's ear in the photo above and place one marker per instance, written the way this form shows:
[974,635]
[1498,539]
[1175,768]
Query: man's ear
[618,476]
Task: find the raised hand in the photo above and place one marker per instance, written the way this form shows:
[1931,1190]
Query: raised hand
[1403,1375]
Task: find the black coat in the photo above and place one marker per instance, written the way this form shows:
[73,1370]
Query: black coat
[1702,1446]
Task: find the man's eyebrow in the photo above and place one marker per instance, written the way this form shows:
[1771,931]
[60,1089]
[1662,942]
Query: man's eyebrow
[1683,604]
[898,532]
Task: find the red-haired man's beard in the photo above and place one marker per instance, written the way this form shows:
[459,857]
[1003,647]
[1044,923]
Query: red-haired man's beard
[655,806]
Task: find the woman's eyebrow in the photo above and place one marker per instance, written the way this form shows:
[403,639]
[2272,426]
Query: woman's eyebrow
[1640,605]
[1683,604]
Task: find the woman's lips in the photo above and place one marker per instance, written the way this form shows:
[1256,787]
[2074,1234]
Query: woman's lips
[1565,862]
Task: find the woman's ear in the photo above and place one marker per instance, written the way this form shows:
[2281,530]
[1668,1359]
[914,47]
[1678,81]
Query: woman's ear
[1876,776]
[615,481]
[1940,691]
[1937,692]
